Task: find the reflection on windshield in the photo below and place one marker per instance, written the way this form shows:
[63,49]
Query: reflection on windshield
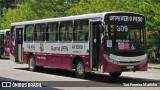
[123,37]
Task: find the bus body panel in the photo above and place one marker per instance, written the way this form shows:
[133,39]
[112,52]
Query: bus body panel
[55,55]
[5,53]
[12,51]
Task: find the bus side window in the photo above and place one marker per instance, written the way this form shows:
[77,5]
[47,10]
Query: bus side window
[13,34]
[1,39]
[1,43]
[28,33]
[7,40]
[85,28]
[40,28]
[81,30]
[51,33]
[86,36]
[66,31]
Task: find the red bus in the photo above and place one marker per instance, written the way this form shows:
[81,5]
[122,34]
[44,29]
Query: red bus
[4,43]
[108,42]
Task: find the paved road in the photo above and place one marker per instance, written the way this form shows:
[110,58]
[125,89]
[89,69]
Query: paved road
[54,79]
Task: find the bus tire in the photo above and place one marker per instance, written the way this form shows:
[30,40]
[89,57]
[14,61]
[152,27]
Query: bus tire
[80,69]
[32,63]
[116,74]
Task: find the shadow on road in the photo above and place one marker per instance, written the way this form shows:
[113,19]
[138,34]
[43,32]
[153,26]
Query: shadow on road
[94,79]
[4,59]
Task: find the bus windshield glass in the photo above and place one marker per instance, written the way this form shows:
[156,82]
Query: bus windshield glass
[123,37]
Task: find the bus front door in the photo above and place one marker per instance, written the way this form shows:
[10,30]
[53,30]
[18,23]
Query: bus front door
[18,44]
[95,45]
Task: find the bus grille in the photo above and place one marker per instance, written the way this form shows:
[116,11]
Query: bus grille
[130,62]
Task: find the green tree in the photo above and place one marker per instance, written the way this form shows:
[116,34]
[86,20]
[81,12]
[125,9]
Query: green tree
[36,9]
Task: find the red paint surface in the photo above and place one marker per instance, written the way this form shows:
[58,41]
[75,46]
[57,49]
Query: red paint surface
[109,67]
[63,61]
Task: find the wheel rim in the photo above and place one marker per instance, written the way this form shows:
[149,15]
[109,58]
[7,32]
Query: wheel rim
[31,63]
[80,68]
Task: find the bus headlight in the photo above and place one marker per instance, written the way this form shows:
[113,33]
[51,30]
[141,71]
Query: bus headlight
[106,57]
[110,59]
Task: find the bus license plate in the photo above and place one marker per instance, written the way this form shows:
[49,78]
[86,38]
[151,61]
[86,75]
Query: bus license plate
[130,67]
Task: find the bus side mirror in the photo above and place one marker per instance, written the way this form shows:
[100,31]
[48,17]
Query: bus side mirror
[102,28]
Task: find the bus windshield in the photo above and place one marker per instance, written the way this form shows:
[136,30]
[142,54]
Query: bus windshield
[124,38]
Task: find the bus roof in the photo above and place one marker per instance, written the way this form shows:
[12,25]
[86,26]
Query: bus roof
[67,18]
[3,31]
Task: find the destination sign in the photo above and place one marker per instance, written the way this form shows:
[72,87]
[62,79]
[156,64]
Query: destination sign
[126,18]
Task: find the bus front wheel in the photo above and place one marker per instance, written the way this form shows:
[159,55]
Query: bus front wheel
[80,69]
[32,63]
[116,74]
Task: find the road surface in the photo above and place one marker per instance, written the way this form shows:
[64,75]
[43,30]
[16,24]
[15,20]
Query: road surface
[55,79]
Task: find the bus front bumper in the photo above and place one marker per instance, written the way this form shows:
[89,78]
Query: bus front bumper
[111,68]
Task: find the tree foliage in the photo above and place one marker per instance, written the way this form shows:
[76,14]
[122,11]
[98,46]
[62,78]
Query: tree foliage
[39,9]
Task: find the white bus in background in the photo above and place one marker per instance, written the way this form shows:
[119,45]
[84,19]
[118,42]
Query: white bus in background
[4,43]
[108,42]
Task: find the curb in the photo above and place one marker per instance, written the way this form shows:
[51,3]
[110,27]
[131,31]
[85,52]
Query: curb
[154,67]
